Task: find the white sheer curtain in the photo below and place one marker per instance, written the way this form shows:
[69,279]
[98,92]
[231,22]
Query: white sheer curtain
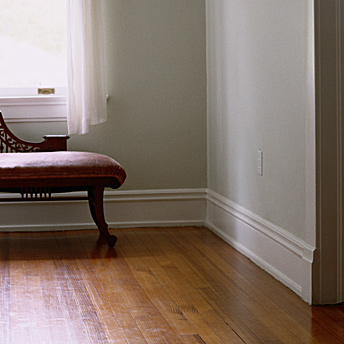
[86,96]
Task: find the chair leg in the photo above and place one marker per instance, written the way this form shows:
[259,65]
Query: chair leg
[95,201]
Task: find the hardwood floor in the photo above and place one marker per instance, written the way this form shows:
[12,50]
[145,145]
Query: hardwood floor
[158,285]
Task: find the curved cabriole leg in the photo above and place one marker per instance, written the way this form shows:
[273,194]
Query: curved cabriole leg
[95,201]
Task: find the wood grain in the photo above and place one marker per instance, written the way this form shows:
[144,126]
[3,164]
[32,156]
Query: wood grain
[158,285]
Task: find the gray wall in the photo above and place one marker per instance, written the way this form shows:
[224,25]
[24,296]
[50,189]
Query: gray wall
[259,73]
[258,98]
[156,76]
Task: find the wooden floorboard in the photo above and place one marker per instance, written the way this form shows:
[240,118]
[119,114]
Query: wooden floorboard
[158,285]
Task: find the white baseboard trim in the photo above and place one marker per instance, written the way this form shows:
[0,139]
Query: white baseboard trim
[284,256]
[142,208]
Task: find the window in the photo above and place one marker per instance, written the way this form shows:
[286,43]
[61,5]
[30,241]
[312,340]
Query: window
[32,56]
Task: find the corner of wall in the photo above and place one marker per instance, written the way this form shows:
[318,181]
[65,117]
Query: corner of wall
[284,256]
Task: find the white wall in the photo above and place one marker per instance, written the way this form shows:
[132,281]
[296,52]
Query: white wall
[259,98]
[260,66]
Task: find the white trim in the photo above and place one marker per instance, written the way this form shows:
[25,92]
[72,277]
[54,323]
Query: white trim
[33,118]
[50,108]
[310,168]
[43,108]
[33,100]
[142,208]
[286,257]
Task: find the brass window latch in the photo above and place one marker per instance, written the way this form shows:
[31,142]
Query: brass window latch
[46,91]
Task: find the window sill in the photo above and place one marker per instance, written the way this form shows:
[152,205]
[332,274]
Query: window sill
[51,108]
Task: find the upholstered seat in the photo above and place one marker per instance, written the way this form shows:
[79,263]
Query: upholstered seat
[61,165]
[37,170]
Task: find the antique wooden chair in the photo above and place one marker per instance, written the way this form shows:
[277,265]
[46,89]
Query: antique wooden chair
[39,171]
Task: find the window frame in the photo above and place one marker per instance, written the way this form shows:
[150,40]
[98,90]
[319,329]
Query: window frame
[24,104]
[37,108]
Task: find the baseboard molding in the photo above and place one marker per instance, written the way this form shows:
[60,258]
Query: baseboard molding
[142,208]
[284,256]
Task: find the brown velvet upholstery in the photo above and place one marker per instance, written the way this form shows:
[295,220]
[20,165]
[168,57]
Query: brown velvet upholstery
[65,164]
